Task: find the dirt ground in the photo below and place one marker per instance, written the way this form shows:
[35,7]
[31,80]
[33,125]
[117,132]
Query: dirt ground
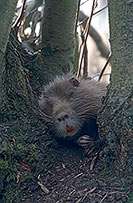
[67,178]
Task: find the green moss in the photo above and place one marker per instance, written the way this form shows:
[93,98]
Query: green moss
[22,150]
[130,200]
[14,177]
[108,173]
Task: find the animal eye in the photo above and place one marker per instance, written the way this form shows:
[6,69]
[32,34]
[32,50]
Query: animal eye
[66,116]
[59,119]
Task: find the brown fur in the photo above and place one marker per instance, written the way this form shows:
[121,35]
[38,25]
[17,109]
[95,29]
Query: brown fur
[70,104]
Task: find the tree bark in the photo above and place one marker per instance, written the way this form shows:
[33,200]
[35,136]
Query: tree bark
[15,101]
[58,41]
[7,9]
[16,93]
[21,123]
[116,115]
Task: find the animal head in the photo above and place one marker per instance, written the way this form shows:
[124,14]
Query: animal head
[69,104]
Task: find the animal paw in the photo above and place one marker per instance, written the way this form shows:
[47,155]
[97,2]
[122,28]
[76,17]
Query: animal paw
[85,141]
[91,146]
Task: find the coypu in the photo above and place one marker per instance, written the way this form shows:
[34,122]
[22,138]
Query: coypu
[71,108]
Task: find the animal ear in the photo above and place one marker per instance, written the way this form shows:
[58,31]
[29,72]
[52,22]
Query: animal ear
[74,81]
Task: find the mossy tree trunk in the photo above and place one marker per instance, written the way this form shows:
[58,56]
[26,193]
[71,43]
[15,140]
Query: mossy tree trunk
[116,115]
[15,98]
[7,9]
[20,121]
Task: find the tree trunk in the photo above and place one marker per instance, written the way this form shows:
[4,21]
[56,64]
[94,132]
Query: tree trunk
[7,9]
[21,123]
[116,114]
[15,107]
[58,41]
[58,33]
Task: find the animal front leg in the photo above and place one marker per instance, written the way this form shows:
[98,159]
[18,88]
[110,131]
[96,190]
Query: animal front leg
[90,145]
[87,143]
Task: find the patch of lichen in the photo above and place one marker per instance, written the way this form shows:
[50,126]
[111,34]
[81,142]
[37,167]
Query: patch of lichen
[17,165]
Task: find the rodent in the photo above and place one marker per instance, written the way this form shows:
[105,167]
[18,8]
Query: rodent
[71,107]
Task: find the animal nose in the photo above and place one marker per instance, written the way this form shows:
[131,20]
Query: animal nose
[62,116]
[69,129]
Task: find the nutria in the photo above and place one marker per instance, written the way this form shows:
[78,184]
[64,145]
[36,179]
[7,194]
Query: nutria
[71,107]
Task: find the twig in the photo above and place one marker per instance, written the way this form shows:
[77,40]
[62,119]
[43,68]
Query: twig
[44,189]
[20,15]
[118,198]
[101,74]
[83,2]
[90,191]
[92,162]
[93,15]
[80,23]
[100,10]
[104,197]
[87,28]
[101,45]
[80,174]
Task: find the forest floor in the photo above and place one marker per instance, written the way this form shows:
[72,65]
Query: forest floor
[67,177]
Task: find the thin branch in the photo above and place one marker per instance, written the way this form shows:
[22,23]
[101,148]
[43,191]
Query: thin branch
[20,15]
[101,45]
[93,15]
[82,22]
[104,197]
[100,10]
[84,2]
[87,28]
[101,74]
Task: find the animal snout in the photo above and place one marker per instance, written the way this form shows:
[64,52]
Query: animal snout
[63,116]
